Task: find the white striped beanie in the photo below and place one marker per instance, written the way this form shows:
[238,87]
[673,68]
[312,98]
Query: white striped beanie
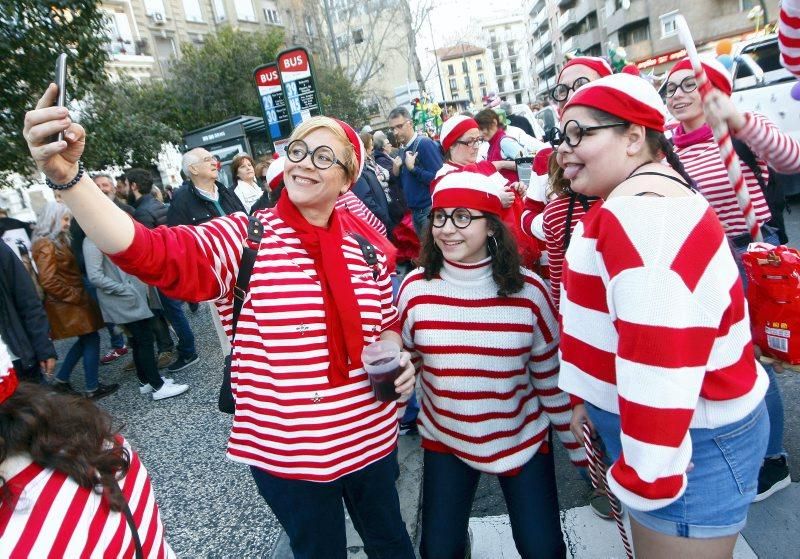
[455,127]
[275,172]
[467,189]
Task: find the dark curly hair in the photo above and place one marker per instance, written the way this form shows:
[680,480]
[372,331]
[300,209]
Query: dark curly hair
[69,434]
[506,261]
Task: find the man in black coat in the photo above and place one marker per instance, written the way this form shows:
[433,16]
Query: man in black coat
[201,197]
[146,209]
[23,321]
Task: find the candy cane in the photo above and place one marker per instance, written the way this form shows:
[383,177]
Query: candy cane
[721,134]
[597,472]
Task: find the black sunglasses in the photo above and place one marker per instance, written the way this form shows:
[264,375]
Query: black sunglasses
[574,132]
[561,91]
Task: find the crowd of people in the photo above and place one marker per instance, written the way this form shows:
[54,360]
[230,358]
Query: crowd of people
[639,332]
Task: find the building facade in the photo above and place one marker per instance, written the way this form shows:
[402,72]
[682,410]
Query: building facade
[510,58]
[465,73]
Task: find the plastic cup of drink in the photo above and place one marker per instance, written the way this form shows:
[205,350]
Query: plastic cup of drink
[381,361]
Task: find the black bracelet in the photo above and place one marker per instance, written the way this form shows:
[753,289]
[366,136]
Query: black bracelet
[70,184]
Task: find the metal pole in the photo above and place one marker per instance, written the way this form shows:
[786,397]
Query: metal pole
[329,20]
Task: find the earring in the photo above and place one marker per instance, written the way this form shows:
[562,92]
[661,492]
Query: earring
[493,247]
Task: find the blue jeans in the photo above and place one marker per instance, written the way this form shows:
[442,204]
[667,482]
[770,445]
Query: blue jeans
[412,409]
[173,310]
[420,218]
[721,485]
[313,517]
[448,489]
[117,339]
[87,347]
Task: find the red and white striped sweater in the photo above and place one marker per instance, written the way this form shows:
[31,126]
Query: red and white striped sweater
[489,366]
[789,35]
[701,158]
[352,203]
[289,421]
[52,516]
[654,327]
[554,225]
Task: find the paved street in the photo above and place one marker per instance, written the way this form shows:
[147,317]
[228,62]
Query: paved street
[211,509]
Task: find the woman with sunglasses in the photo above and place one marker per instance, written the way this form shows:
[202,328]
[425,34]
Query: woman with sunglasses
[483,335]
[772,150]
[306,420]
[655,336]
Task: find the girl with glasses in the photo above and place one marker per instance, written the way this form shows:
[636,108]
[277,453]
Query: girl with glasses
[655,335]
[770,151]
[314,302]
[483,336]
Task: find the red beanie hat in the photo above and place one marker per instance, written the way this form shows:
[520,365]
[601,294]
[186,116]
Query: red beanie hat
[358,146]
[275,172]
[455,127]
[630,98]
[465,189]
[596,63]
[716,73]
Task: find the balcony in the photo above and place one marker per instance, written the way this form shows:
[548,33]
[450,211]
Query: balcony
[540,17]
[584,41]
[565,3]
[566,20]
[541,89]
[639,51]
[583,8]
[542,43]
[621,18]
[568,45]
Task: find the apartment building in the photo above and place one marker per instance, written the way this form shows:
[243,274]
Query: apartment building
[510,58]
[544,45]
[465,72]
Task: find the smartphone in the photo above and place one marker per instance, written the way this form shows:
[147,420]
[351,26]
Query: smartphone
[61,83]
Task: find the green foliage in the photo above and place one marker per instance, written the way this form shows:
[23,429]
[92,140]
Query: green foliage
[339,96]
[32,33]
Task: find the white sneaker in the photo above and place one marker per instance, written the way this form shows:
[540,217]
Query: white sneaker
[170,390]
[147,389]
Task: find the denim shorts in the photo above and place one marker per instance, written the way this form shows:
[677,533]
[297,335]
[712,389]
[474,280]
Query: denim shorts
[721,485]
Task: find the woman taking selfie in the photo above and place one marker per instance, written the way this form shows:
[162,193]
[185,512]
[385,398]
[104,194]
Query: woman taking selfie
[655,335]
[483,334]
[309,378]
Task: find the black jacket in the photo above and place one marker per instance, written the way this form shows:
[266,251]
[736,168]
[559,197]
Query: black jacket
[369,190]
[23,322]
[150,212]
[190,208]
[521,122]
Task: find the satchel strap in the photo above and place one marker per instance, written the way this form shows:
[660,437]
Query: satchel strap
[370,256]
[134,531]
[255,232]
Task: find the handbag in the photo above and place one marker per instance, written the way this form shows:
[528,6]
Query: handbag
[255,231]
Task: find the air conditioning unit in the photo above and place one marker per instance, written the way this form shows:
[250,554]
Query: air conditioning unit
[158,18]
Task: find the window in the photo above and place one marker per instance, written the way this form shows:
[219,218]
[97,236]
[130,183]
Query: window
[311,29]
[514,69]
[358,36]
[450,70]
[192,10]
[342,42]
[467,83]
[453,83]
[483,92]
[464,67]
[516,83]
[498,70]
[747,5]
[244,10]
[510,46]
[668,25]
[481,79]
[634,34]
[219,10]
[479,65]
[152,7]
[118,31]
[272,16]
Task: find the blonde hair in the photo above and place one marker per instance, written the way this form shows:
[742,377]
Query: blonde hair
[348,158]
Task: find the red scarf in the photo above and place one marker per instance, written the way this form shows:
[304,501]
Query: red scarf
[342,314]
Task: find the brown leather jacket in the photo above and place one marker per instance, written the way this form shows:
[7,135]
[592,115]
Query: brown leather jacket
[70,310]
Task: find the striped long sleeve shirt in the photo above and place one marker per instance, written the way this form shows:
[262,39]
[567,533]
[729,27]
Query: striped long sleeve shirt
[289,420]
[701,158]
[654,327]
[488,366]
[50,515]
[789,35]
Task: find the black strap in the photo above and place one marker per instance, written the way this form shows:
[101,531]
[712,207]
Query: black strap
[568,224]
[665,175]
[746,154]
[370,256]
[255,231]
[126,511]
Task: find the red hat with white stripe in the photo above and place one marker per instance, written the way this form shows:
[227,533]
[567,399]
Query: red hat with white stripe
[716,73]
[599,65]
[455,127]
[466,189]
[275,172]
[358,146]
[8,377]
[631,98]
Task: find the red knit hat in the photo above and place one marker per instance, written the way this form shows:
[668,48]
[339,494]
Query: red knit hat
[630,98]
[8,377]
[599,65]
[358,146]
[716,73]
[275,172]
[465,189]
[455,127]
